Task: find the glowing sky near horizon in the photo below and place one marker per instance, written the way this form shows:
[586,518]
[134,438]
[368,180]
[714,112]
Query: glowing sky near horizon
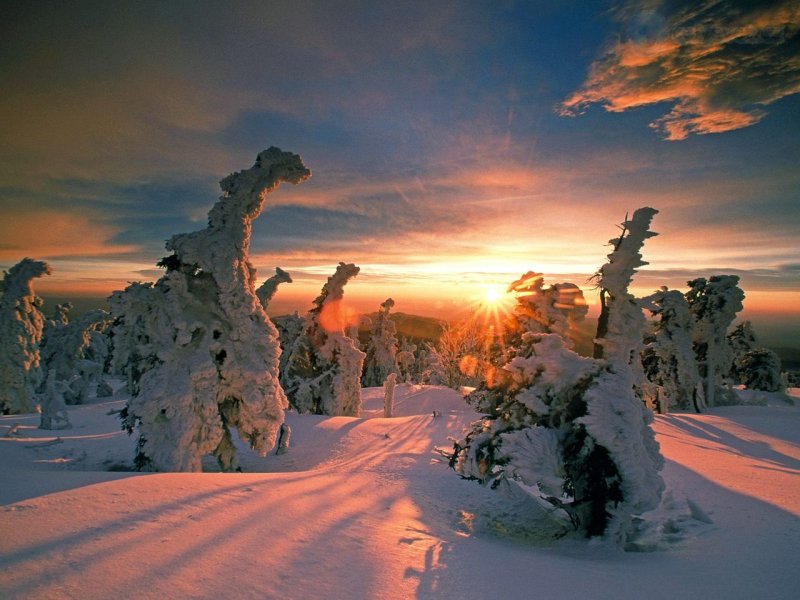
[453,145]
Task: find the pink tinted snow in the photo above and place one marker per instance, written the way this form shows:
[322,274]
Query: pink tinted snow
[364,508]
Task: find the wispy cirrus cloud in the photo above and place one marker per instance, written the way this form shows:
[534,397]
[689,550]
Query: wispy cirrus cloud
[718,62]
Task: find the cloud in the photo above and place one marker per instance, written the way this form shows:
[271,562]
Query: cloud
[719,64]
[45,234]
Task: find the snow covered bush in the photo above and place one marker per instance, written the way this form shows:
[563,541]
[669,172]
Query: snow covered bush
[381,355]
[198,351]
[669,358]
[21,327]
[568,431]
[323,371]
[760,369]
[713,304]
[53,409]
[388,394]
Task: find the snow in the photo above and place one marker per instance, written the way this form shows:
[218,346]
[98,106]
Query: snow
[366,508]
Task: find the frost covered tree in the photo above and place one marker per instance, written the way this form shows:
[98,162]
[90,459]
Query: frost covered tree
[741,341]
[77,350]
[459,358]
[714,303]
[567,431]
[290,336]
[270,286]
[760,369]
[199,352]
[323,372]
[381,354]
[407,361]
[21,327]
[669,357]
[556,308]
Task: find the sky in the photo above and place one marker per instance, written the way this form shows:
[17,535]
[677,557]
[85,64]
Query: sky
[453,145]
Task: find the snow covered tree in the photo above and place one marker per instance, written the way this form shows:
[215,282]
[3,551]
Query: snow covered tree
[714,304]
[290,336]
[760,369]
[199,352]
[270,286]
[556,308]
[381,355]
[407,361]
[323,373]
[134,338]
[21,327]
[741,341]
[459,358]
[569,431]
[669,356]
[77,350]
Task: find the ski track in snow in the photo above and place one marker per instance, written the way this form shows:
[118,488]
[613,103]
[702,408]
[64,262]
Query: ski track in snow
[365,508]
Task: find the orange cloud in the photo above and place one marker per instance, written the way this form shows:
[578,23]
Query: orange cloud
[52,234]
[717,62]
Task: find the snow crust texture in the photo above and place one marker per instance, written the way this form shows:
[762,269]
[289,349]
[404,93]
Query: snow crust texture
[197,349]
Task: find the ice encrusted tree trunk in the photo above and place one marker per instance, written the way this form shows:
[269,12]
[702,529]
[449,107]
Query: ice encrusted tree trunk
[669,357]
[381,355]
[21,327]
[324,367]
[714,304]
[270,286]
[199,352]
[567,431]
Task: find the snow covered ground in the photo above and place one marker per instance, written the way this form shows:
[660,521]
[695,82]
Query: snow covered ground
[365,508]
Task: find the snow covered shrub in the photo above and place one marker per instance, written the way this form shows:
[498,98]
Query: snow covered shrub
[54,411]
[323,372]
[270,286]
[381,355]
[669,358]
[388,394]
[198,351]
[21,327]
[714,304]
[760,369]
[570,431]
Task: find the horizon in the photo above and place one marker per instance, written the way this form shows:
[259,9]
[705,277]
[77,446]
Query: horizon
[453,147]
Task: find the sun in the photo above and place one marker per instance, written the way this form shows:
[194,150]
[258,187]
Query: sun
[494,294]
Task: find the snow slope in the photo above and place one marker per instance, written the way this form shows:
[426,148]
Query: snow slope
[365,508]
